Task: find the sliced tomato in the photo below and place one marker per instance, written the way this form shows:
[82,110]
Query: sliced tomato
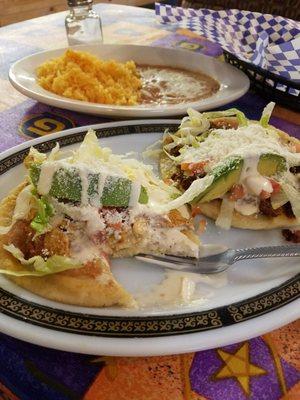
[275,185]
[196,211]
[237,192]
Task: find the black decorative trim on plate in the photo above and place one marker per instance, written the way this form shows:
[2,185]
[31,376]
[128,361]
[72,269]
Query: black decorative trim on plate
[18,158]
[97,325]
[110,326]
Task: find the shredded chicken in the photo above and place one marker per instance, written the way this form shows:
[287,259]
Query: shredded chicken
[23,237]
[57,242]
[224,123]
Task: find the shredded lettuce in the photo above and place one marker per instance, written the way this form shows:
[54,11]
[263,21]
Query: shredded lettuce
[153,154]
[242,120]
[199,122]
[45,211]
[195,128]
[23,206]
[34,156]
[279,199]
[194,124]
[90,150]
[39,266]
[218,114]
[54,153]
[266,114]
[294,197]
[153,151]
[191,126]
[184,141]
[196,188]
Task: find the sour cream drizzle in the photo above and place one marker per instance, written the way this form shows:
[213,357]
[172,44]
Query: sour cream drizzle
[48,170]
[254,183]
[84,187]
[96,198]
[134,194]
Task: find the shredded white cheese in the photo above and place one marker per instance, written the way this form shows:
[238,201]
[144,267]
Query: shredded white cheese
[248,141]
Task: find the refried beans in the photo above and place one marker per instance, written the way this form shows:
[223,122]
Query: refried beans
[167,85]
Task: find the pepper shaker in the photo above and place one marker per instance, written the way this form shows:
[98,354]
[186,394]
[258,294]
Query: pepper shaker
[83,24]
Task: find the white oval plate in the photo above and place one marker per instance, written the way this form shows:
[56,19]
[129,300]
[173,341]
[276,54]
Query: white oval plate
[233,82]
[258,296]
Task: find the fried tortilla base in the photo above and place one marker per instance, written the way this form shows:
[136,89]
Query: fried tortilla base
[82,290]
[76,290]
[255,222]
[212,209]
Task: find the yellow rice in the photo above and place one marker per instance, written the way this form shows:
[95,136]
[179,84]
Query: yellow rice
[82,76]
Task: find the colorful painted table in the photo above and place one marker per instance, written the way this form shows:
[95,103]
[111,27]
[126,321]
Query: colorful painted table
[264,368]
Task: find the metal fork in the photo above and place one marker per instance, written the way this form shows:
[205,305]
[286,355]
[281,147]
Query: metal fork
[219,262]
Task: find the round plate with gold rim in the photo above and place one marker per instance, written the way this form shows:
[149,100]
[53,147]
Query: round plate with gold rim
[253,297]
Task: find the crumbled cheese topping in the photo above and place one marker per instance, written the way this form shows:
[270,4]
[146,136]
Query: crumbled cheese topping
[247,141]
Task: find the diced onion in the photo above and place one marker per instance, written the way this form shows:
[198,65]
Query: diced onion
[226,213]
[279,199]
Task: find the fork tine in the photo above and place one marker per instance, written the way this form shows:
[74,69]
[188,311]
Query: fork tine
[168,258]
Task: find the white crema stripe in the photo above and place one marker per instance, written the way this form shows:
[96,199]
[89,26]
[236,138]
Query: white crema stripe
[101,182]
[95,199]
[134,194]
[84,187]
[48,170]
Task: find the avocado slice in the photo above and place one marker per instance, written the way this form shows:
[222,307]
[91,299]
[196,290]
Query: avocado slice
[225,176]
[116,192]
[270,164]
[66,185]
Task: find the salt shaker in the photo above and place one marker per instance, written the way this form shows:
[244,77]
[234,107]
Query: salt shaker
[83,24]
